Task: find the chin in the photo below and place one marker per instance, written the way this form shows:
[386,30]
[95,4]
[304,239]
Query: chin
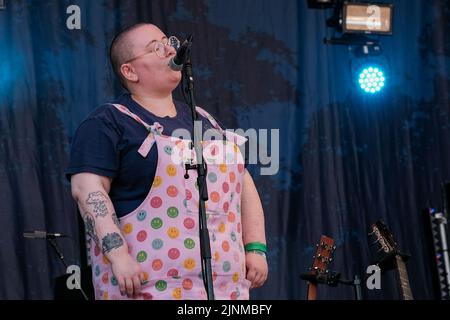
[175,79]
[176,76]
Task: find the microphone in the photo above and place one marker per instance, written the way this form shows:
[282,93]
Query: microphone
[177,62]
[35,234]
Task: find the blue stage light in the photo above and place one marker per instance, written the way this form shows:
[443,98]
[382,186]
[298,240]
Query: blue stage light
[372,79]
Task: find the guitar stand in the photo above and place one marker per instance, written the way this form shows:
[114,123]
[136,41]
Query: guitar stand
[335,279]
[332,279]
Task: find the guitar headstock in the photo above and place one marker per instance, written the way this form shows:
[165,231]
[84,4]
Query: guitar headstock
[323,256]
[386,245]
[383,237]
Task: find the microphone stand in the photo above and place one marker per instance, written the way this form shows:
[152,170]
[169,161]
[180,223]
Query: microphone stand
[205,244]
[61,257]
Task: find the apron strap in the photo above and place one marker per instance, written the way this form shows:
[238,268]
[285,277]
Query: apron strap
[156,128]
[229,135]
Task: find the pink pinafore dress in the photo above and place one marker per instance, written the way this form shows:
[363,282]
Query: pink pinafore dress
[163,232]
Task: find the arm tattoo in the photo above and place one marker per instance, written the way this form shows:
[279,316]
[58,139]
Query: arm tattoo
[89,225]
[98,200]
[111,241]
[116,220]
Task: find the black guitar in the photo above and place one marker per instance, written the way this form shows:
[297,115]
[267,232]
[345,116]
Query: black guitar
[392,258]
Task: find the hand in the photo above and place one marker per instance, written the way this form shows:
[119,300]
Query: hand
[257,269]
[129,275]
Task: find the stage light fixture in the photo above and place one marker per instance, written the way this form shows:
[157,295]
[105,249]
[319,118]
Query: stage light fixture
[320,4]
[371,79]
[369,18]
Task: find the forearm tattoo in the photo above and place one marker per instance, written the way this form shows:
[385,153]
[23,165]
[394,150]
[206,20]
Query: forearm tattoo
[116,220]
[89,224]
[111,241]
[98,200]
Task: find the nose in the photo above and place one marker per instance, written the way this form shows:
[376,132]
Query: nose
[170,50]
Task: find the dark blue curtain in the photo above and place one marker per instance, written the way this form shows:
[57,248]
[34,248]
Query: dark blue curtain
[346,159]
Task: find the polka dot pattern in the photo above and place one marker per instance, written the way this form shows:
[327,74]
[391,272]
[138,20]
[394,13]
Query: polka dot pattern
[162,233]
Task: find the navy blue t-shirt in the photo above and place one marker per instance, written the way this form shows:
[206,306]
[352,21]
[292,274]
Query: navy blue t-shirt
[107,142]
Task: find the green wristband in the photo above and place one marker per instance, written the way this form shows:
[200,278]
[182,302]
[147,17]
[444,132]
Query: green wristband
[258,246]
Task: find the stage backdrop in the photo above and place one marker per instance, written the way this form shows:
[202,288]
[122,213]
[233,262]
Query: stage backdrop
[346,159]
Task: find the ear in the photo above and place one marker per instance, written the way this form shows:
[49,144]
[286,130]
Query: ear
[128,72]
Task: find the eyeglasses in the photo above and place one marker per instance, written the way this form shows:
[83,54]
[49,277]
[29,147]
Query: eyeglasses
[159,47]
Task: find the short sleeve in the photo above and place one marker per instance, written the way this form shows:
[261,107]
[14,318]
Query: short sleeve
[95,149]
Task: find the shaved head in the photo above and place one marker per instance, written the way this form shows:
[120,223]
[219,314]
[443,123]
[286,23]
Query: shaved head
[138,69]
[121,49]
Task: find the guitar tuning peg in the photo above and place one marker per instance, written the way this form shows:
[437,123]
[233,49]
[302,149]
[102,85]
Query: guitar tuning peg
[319,255]
[334,247]
[330,259]
[316,268]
